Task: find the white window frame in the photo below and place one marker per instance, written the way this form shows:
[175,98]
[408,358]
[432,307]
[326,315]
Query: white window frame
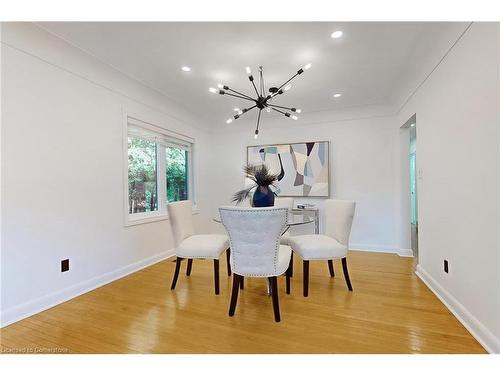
[161,213]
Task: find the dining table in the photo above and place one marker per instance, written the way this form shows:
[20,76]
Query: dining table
[297,216]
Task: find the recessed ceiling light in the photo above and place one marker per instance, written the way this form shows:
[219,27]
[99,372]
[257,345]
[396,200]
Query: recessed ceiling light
[186,69]
[337,34]
[338,95]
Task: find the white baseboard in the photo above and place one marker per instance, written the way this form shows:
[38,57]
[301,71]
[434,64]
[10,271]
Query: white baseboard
[405,253]
[381,249]
[484,336]
[37,305]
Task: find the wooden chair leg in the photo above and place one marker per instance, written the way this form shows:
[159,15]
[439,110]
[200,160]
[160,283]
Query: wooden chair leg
[216,275]
[189,266]
[242,282]
[291,265]
[330,268]
[176,273]
[306,278]
[274,293]
[346,274]
[234,294]
[288,275]
[228,256]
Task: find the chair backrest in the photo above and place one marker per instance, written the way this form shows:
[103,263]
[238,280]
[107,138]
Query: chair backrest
[254,237]
[181,220]
[284,202]
[338,219]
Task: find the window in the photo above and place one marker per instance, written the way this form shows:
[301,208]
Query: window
[159,170]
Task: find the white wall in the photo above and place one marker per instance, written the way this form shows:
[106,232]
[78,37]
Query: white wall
[362,167]
[458,152]
[62,176]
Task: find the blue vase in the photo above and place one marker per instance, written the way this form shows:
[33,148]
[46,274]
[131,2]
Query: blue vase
[263,197]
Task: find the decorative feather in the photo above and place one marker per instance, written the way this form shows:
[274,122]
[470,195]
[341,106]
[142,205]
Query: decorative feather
[260,175]
[241,195]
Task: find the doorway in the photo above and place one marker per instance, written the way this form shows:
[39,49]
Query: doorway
[412,157]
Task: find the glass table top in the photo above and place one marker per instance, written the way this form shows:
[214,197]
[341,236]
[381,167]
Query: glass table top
[296,217]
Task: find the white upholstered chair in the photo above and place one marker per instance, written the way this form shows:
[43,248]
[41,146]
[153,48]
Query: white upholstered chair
[287,203]
[331,245]
[194,246]
[254,237]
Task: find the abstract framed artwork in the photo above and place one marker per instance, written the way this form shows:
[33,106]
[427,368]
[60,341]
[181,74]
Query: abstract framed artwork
[303,169]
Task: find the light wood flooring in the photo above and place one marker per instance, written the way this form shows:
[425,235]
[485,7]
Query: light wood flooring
[389,311]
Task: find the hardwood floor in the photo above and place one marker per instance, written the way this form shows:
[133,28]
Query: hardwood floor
[389,311]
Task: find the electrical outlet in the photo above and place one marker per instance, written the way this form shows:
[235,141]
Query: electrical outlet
[64,265]
[445,266]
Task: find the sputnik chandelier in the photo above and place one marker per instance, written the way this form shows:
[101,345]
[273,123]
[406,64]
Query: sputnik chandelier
[263,100]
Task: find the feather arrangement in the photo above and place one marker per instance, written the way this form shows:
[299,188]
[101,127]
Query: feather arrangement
[260,175]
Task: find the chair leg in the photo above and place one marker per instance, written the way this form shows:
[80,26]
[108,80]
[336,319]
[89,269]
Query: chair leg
[242,282]
[291,265]
[228,256]
[274,293]
[346,274]
[306,278]
[330,268]
[176,273]
[288,275]
[234,294]
[189,266]
[216,275]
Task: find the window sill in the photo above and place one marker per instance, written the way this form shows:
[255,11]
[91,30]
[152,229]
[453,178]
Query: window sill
[151,218]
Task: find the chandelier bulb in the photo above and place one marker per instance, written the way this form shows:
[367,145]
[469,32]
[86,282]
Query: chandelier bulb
[307,66]
[229,120]
[268,109]
[294,118]
[212,90]
[249,71]
[256,134]
[220,85]
[298,110]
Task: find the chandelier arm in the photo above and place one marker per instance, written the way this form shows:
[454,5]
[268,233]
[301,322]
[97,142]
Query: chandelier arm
[279,88]
[262,87]
[237,116]
[279,106]
[283,113]
[239,93]
[258,121]
[255,88]
[246,110]
[238,96]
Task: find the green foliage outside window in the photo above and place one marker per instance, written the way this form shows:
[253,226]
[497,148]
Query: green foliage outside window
[177,174]
[142,187]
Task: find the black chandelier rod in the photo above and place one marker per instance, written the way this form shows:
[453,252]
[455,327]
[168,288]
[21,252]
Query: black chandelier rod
[237,92]
[280,106]
[283,113]
[279,88]
[258,122]
[262,87]
[245,110]
[237,96]
[255,87]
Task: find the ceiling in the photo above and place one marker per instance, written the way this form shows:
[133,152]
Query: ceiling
[371,64]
